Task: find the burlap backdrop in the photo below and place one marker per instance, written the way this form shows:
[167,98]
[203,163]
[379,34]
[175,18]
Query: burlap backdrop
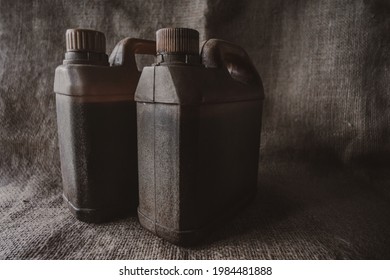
[324,171]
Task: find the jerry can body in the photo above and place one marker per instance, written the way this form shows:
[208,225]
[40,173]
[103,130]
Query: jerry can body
[198,137]
[96,118]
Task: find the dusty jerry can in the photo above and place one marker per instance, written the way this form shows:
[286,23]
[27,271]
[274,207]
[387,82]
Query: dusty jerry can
[199,122]
[96,118]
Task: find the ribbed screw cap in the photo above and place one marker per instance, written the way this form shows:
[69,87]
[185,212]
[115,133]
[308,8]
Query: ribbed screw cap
[78,40]
[177,41]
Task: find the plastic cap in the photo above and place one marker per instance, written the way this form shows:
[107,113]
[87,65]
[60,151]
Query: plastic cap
[79,40]
[177,41]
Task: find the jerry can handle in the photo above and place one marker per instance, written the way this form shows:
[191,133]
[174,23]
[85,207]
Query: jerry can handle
[216,53]
[124,52]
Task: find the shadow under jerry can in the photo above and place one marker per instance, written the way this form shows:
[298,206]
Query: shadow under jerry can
[199,123]
[96,117]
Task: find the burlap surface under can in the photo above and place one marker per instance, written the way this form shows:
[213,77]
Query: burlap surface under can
[324,170]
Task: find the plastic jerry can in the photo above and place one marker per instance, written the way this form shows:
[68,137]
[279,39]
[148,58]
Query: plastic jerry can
[199,123]
[96,118]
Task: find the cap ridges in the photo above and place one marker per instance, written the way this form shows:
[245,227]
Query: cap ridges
[177,41]
[85,40]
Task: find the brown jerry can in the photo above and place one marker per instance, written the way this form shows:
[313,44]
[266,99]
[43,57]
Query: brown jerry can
[199,122]
[96,117]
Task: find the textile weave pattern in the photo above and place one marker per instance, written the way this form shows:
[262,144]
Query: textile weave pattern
[324,169]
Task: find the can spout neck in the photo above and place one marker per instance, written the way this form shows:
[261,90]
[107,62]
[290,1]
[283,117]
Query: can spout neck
[177,46]
[85,46]
[190,59]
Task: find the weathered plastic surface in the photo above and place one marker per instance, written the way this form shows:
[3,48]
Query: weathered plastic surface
[96,118]
[198,142]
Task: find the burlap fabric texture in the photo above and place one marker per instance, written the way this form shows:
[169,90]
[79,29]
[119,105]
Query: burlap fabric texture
[324,169]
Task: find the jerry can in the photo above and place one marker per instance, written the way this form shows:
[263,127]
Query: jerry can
[96,118]
[198,123]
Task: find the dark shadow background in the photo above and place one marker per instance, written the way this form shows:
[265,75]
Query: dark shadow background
[324,170]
